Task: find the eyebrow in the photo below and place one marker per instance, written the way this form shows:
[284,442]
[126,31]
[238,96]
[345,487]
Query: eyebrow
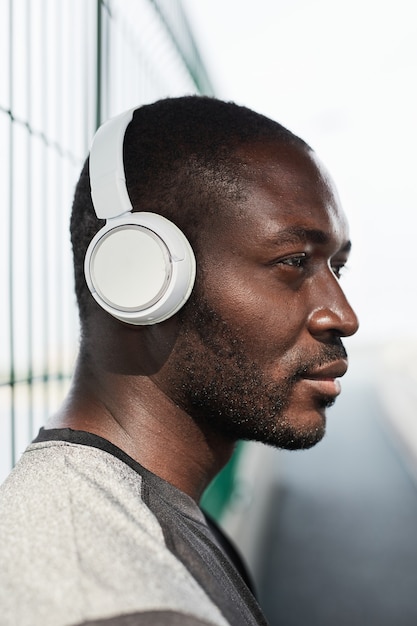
[294,234]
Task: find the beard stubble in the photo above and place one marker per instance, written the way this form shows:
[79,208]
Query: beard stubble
[221,388]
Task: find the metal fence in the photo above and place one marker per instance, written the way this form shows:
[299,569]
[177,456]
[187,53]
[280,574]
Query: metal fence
[64,67]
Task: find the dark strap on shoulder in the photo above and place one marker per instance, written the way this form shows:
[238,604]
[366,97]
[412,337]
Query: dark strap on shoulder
[231,551]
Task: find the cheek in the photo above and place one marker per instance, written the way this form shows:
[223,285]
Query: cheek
[268,319]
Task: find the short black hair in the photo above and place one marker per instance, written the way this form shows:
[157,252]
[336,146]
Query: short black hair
[180,158]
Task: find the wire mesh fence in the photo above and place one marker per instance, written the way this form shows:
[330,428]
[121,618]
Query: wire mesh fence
[65,67]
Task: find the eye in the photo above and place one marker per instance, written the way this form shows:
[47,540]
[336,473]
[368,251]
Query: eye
[338,269]
[297,261]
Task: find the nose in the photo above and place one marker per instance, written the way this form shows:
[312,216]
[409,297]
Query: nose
[331,313]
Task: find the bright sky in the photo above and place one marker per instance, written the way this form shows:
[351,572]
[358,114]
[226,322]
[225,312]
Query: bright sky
[342,75]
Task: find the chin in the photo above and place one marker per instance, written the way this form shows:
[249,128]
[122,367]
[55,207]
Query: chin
[304,442]
[288,436]
[307,427]
[300,433]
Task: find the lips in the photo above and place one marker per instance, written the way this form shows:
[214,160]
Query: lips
[336,369]
[324,380]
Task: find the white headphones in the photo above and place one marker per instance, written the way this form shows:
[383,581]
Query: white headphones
[139,267]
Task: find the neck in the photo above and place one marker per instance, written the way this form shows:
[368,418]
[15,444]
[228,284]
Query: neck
[133,413]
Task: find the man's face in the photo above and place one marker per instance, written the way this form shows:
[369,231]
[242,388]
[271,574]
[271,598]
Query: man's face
[259,351]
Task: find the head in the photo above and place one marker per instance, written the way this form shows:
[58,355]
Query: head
[258,345]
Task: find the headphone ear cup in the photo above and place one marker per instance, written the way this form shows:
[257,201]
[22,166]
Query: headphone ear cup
[140,268]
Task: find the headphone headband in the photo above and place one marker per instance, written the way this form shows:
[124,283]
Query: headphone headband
[107,173]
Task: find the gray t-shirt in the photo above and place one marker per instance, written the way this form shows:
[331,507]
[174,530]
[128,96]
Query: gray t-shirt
[88,536]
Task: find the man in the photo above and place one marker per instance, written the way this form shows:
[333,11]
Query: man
[100,521]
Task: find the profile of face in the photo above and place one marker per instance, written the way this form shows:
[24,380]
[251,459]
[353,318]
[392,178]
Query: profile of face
[259,352]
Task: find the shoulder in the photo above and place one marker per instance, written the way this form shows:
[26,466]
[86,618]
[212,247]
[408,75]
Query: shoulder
[77,537]
[59,489]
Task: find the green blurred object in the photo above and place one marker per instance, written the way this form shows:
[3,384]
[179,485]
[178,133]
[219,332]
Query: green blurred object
[219,494]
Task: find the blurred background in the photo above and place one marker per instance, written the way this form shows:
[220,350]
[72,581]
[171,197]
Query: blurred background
[329,534]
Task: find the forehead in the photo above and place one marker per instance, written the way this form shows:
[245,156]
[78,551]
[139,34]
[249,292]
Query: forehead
[287,190]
